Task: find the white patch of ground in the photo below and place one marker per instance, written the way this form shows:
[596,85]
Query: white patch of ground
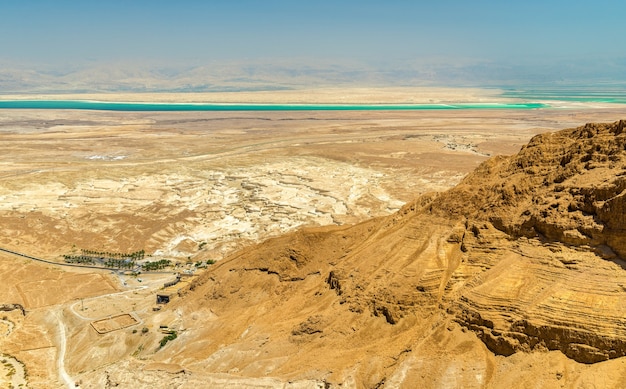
[229,205]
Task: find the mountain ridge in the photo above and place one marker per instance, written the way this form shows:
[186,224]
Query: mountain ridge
[489,268]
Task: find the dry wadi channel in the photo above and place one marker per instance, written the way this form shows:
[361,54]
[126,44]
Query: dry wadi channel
[195,186]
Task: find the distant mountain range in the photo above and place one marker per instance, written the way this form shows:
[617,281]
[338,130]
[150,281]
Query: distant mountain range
[293,74]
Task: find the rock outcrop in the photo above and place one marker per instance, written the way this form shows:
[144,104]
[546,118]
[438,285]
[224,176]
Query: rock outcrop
[13,307]
[567,187]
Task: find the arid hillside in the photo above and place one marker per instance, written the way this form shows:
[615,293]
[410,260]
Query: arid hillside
[514,278]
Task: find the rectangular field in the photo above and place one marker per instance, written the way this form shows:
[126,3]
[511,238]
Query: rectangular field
[114,323]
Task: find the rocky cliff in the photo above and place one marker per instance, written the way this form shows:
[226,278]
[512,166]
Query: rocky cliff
[523,257]
[560,202]
[565,186]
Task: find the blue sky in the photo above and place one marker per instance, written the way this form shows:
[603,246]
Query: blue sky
[391,32]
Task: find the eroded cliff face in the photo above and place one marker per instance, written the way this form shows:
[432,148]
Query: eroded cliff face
[524,256]
[560,202]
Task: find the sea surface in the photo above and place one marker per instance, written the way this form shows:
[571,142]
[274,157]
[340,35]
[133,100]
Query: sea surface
[137,106]
[536,97]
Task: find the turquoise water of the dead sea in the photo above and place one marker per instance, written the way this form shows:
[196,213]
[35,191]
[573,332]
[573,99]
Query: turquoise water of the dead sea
[126,106]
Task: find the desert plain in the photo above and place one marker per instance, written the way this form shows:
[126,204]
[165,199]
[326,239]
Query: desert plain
[192,187]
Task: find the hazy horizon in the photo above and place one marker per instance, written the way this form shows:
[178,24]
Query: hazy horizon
[248,45]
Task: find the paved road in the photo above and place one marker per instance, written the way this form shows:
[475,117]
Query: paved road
[77,264]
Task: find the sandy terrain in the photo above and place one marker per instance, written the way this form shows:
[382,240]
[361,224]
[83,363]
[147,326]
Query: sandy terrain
[167,182]
[61,308]
[196,186]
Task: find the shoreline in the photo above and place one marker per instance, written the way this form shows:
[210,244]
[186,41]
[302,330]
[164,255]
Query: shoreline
[320,99]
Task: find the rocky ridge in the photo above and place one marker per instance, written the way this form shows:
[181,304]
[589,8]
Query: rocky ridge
[525,255]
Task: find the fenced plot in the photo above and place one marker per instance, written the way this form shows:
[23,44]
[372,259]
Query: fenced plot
[114,323]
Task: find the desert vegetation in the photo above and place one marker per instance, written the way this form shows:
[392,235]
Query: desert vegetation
[168,338]
[106,258]
[156,265]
